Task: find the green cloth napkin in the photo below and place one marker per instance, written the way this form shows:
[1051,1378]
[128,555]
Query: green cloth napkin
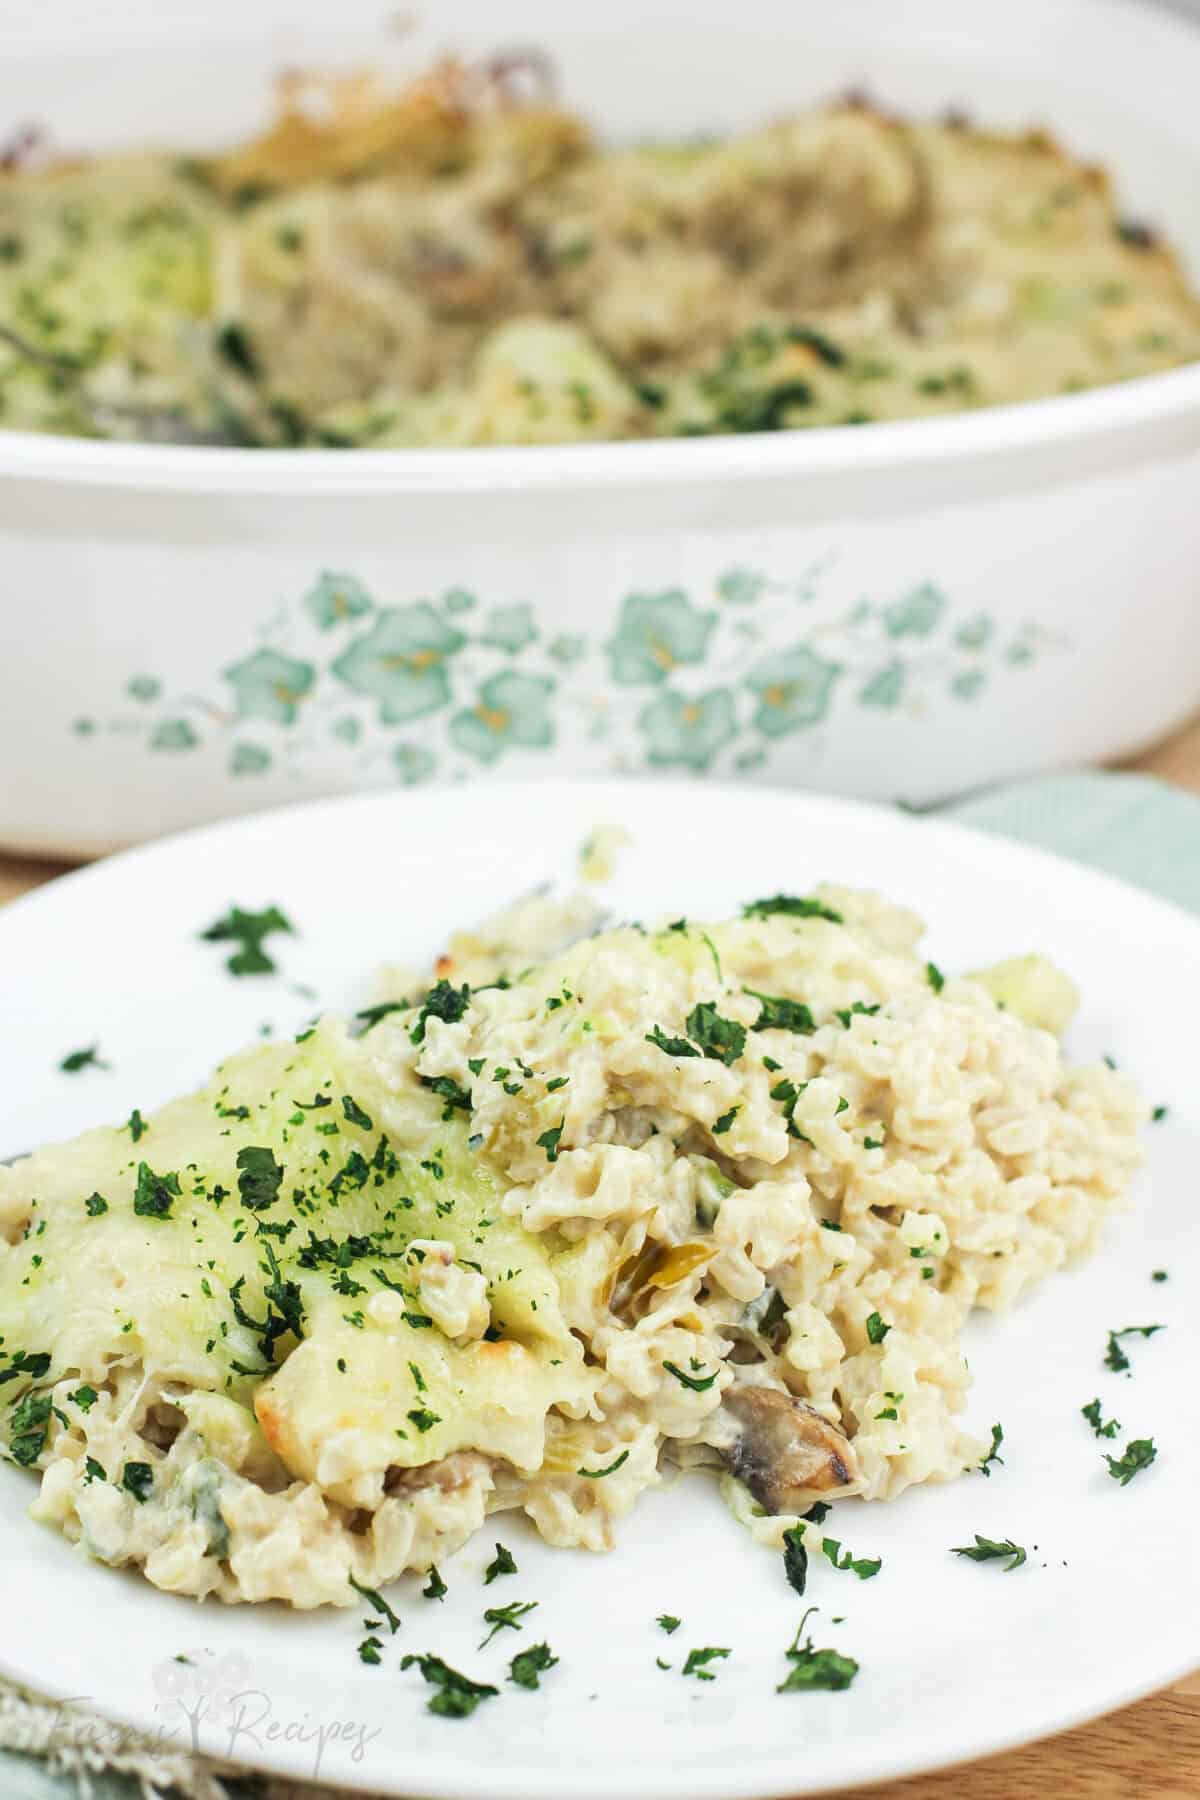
[1131,826]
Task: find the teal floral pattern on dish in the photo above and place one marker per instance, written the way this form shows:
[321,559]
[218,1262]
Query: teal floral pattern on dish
[249,759]
[401,662]
[885,689]
[512,712]
[688,733]
[269,686]
[509,628]
[655,634]
[173,734]
[793,690]
[916,614]
[739,677]
[333,598]
[413,764]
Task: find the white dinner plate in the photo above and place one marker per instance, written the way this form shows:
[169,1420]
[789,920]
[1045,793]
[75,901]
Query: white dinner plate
[956,1658]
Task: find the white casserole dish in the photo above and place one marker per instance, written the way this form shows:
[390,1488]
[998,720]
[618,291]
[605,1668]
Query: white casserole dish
[902,611]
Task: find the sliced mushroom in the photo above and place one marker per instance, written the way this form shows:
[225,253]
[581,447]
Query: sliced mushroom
[452,1474]
[786,1452]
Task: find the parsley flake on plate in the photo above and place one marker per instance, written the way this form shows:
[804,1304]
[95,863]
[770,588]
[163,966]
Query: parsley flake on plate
[795,1558]
[77,1060]
[862,1566]
[368,1651]
[501,1564]
[877,1330]
[376,1601]
[668,1622]
[527,1666]
[457,1695]
[506,1618]
[993,1455]
[812,1669]
[698,1661]
[1138,1455]
[989,1550]
[249,931]
[1105,1428]
[1115,1357]
[435,1588]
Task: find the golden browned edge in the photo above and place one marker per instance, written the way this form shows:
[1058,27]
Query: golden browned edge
[1152,1748]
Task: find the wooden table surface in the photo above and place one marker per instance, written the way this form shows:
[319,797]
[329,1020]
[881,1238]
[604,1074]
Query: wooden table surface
[1151,1749]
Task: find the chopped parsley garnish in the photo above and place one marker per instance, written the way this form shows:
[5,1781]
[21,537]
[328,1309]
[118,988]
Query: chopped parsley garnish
[75,1060]
[96,1205]
[435,1588]
[506,1618]
[527,1665]
[698,1384]
[779,1014]
[1158,1275]
[84,1397]
[137,1478]
[1139,1454]
[34,1363]
[672,1046]
[549,1140]
[862,1566]
[501,1564]
[28,1427]
[876,1329]
[989,1550]
[993,1455]
[354,1114]
[698,1661]
[456,1098]
[1114,1356]
[154,1194]
[721,1039]
[595,1474]
[93,1471]
[441,1002]
[136,1126]
[457,1695]
[795,1558]
[721,1126]
[368,1651]
[1159,1114]
[422,1418]
[668,1623]
[934,977]
[818,1511]
[371,1015]
[823,347]
[249,931]
[859,1009]
[377,1603]
[815,1668]
[793,906]
[259,1176]
[1105,1428]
